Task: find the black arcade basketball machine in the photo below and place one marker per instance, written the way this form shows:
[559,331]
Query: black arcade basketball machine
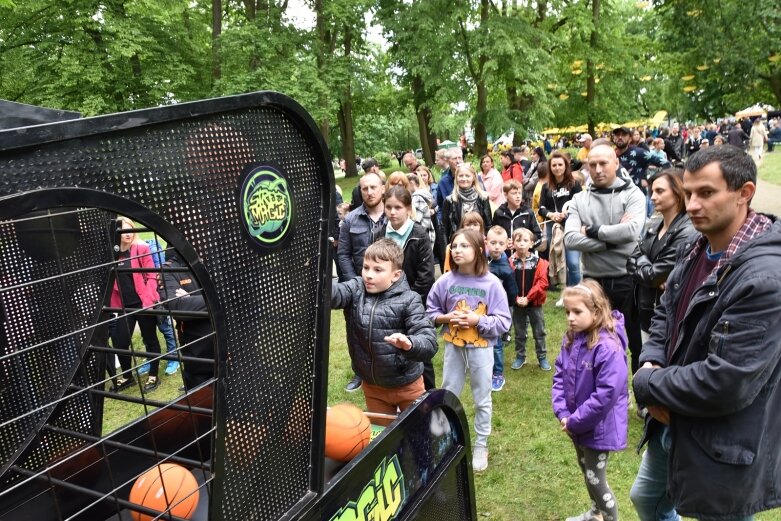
[240,189]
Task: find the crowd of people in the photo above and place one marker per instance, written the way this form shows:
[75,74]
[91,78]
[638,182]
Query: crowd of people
[670,264]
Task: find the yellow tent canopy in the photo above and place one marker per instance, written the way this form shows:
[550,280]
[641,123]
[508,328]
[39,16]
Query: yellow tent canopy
[654,121]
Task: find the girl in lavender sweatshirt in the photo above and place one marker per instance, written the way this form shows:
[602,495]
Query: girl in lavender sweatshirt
[471,305]
[590,391]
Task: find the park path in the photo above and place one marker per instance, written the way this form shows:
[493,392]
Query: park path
[768,198]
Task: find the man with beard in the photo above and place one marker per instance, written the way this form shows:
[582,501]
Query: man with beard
[634,159]
[356,235]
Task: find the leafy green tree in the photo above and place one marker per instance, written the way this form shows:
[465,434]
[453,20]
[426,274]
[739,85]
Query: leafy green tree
[724,55]
[98,57]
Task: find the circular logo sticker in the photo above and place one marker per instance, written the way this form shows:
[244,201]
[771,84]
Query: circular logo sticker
[266,205]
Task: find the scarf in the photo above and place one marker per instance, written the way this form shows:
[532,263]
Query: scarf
[468,199]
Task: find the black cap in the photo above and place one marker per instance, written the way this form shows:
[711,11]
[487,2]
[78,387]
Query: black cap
[619,130]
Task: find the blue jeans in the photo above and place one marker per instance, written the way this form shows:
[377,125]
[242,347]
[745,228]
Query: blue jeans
[649,491]
[499,357]
[572,258]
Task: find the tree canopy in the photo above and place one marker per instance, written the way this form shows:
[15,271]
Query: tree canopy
[442,65]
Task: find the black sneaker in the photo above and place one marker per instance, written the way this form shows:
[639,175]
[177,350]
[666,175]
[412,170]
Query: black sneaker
[354,384]
[151,384]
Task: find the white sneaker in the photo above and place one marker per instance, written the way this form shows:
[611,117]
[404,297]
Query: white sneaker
[560,303]
[480,459]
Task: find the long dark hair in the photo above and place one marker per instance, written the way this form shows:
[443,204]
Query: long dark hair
[567,180]
[540,153]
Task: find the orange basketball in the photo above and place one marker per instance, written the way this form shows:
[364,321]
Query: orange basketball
[177,490]
[347,431]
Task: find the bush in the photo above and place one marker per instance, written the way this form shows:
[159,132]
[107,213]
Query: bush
[385,160]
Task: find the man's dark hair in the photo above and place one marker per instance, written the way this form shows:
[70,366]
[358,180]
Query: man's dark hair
[737,167]
[369,163]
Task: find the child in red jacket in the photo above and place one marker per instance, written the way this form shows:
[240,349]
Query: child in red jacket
[531,276]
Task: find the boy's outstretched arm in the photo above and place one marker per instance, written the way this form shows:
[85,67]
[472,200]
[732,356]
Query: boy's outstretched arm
[342,292]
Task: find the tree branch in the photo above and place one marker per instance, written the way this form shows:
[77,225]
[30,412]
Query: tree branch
[468,54]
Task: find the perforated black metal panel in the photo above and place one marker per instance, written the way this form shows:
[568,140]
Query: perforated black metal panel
[183,176]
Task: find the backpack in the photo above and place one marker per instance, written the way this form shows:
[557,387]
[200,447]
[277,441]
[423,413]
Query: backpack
[158,252]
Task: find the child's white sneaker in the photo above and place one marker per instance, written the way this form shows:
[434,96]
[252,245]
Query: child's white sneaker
[480,459]
[560,303]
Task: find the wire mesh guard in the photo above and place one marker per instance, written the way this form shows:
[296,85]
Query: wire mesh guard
[244,426]
[61,270]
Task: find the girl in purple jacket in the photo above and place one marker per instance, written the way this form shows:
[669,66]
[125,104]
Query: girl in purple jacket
[590,393]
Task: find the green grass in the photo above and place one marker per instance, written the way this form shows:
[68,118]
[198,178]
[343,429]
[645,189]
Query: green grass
[532,473]
[770,170]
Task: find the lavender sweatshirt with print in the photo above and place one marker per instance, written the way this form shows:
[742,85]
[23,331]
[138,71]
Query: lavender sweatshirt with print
[483,294]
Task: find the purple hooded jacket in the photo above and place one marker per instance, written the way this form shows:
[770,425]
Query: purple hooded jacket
[590,387]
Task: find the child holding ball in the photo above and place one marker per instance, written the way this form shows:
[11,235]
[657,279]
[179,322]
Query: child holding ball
[590,392]
[471,305]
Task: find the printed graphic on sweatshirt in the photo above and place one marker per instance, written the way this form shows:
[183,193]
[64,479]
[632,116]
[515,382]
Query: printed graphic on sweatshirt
[463,336]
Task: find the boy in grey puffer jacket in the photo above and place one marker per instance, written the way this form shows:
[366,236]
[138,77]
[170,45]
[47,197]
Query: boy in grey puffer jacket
[390,333]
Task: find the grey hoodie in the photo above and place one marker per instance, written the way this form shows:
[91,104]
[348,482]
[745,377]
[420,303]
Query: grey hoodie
[608,242]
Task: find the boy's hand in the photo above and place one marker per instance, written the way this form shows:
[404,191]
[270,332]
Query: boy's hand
[522,301]
[399,341]
[564,424]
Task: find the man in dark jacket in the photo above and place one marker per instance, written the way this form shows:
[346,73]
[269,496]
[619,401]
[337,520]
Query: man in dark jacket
[181,292]
[710,374]
[355,236]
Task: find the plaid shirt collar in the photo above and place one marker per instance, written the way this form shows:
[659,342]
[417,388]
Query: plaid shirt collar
[756,224]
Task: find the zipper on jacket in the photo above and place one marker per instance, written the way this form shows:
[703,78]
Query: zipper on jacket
[724,331]
[371,344]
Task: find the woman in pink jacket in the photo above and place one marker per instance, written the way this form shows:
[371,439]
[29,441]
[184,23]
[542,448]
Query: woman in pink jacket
[133,291]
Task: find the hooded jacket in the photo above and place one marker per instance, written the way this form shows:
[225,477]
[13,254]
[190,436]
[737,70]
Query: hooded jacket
[418,265]
[721,383]
[590,388]
[377,315]
[523,217]
[608,242]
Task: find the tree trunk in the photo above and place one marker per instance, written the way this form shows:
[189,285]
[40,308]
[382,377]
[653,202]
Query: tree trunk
[216,32]
[516,104]
[428,140]
[323,46]
[348,138]
[775,85]
[346,114]
[481,133]
[591,93]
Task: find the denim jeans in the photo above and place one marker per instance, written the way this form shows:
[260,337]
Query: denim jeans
[649,491]
[572,258]
[499,357]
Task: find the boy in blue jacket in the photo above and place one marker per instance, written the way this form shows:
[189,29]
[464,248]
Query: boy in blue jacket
[390,333]
[499,264]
